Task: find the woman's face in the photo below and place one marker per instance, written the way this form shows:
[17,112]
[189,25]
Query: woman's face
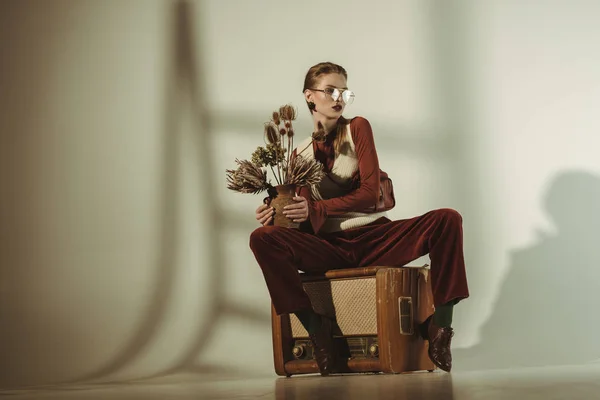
[324,103]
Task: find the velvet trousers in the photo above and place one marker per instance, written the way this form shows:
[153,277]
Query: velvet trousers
[282,252]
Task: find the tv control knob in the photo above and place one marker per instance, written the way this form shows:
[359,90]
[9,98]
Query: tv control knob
[374,349]
[298,351]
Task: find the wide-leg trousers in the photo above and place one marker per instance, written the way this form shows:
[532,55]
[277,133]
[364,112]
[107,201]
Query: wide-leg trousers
[282,252]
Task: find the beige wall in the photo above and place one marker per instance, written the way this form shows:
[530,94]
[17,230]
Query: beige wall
[122,253]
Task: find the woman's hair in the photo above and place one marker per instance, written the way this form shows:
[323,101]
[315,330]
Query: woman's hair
[310,81]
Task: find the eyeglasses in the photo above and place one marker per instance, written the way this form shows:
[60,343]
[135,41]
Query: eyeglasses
[347,95]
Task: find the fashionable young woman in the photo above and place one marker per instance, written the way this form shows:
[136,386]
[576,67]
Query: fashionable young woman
[339,228]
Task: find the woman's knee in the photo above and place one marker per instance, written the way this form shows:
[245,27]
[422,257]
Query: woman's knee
[449,214]
[262,234]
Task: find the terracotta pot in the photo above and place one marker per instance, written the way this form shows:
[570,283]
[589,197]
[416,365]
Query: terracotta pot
[281,196]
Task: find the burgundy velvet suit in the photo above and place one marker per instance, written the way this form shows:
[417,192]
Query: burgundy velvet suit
[281,252]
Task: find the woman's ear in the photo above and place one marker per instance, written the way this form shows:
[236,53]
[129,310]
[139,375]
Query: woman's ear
[308,96]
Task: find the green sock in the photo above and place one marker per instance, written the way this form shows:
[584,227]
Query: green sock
[311,321]
[442,316]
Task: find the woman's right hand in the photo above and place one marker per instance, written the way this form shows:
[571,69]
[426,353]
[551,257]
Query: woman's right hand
[264,214]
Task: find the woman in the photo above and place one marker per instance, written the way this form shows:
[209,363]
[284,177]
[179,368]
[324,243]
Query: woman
[335,232]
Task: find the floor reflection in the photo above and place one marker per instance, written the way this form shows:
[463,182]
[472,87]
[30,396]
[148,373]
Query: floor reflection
[422,385]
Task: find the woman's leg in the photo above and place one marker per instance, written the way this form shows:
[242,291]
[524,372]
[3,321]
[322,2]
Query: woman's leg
[281,252]
[437,232]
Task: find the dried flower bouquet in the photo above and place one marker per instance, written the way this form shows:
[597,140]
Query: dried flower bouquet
[288,169]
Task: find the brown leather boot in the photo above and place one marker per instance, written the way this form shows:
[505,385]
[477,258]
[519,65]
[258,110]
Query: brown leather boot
[439,343]
[323,346]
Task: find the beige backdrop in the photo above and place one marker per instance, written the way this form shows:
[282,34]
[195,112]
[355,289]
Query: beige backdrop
[122,253]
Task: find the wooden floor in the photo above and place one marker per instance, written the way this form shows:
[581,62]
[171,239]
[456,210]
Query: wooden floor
[568,382]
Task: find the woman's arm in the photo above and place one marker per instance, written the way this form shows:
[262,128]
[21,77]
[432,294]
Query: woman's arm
[316,212]
[368,165]
[363,197]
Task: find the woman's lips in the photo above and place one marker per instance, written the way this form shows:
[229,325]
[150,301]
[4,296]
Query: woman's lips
[337,108]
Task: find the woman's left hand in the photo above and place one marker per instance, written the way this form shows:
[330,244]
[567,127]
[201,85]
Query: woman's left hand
[297,212]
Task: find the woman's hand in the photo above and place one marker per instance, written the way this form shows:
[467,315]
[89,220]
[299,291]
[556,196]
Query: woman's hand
[297,212]
[264,214]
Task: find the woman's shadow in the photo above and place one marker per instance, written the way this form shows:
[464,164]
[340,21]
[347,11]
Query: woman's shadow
[548,310]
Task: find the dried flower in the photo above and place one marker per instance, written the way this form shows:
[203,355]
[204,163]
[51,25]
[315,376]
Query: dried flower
[304,172]
[277,151]
[247,178]
[287,168]
[268,156]
[276,118]
[271,133]
[287,112]
[320,135]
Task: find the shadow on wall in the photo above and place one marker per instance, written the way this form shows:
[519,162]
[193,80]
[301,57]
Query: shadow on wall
[182,86]
[547,312]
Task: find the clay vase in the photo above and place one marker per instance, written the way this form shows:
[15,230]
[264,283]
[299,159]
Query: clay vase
[281,196]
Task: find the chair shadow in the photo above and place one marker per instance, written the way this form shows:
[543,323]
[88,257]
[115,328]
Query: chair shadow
[547,313]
